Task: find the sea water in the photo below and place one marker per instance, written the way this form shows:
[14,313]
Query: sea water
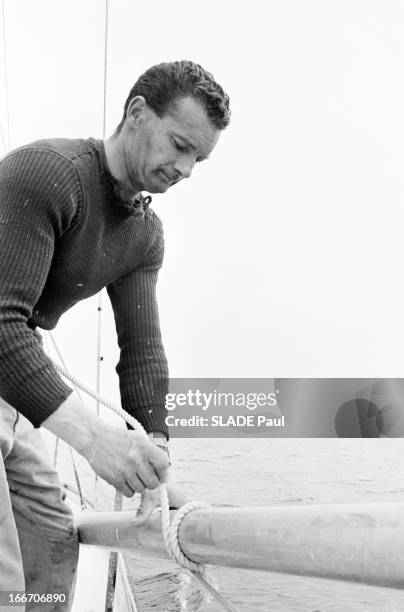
[263,472]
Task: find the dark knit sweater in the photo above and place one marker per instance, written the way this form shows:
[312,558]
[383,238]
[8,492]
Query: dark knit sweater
[65,234]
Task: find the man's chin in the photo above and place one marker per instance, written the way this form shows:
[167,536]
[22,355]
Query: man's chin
[157,189]
[160,186]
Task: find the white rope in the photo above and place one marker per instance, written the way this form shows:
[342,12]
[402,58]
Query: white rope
[170,531]
[170,535]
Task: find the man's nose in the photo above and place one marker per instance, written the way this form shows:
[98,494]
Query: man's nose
[184,167]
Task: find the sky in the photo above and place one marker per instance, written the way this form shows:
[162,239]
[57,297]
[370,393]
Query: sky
[284,251]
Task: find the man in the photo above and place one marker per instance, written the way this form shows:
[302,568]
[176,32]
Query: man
[73,220]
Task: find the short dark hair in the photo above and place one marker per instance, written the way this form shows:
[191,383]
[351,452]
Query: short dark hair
[163,84]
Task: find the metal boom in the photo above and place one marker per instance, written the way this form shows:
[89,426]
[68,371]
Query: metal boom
[356,542]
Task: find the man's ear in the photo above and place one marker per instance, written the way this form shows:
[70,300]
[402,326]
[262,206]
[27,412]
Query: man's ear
[136,110]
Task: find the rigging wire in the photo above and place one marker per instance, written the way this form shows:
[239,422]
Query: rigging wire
[104,115]
[84,501]
[100,294]
[3,139]
[55,458]
[69,487]
[118,503]
[57,439]
[6,145]
[105,66]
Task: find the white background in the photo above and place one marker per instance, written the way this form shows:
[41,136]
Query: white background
[284,251]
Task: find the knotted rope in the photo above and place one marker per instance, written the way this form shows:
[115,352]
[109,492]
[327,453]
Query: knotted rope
[169,530]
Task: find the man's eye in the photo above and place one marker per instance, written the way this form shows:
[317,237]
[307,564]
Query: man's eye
[179,146]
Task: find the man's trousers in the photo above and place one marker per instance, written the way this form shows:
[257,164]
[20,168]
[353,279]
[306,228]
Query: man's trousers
[38,541]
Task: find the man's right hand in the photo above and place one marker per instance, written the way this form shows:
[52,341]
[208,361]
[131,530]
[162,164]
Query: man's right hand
[126,459]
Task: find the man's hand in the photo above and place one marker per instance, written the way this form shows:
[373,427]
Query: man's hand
[151,500]
[125,459]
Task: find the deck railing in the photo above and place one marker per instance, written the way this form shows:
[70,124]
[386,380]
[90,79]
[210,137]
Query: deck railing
[356,542]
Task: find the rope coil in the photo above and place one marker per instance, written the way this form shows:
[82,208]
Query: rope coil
[171,536]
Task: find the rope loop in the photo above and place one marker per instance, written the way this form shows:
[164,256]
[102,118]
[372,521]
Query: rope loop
[173,543]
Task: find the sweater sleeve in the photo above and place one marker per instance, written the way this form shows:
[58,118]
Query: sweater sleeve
[142,367]
[39,195]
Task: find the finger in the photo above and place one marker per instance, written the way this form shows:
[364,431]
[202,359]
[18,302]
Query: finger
[147,505]
[143,515]
[147,475]
[125,489]
[160,462]
[136,484]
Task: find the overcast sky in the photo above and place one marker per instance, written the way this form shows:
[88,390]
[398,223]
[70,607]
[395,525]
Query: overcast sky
[284,252]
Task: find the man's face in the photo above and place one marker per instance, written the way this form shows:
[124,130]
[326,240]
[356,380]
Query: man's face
[161,151]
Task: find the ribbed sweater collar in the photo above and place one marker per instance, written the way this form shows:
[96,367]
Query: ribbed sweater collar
[134,206]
